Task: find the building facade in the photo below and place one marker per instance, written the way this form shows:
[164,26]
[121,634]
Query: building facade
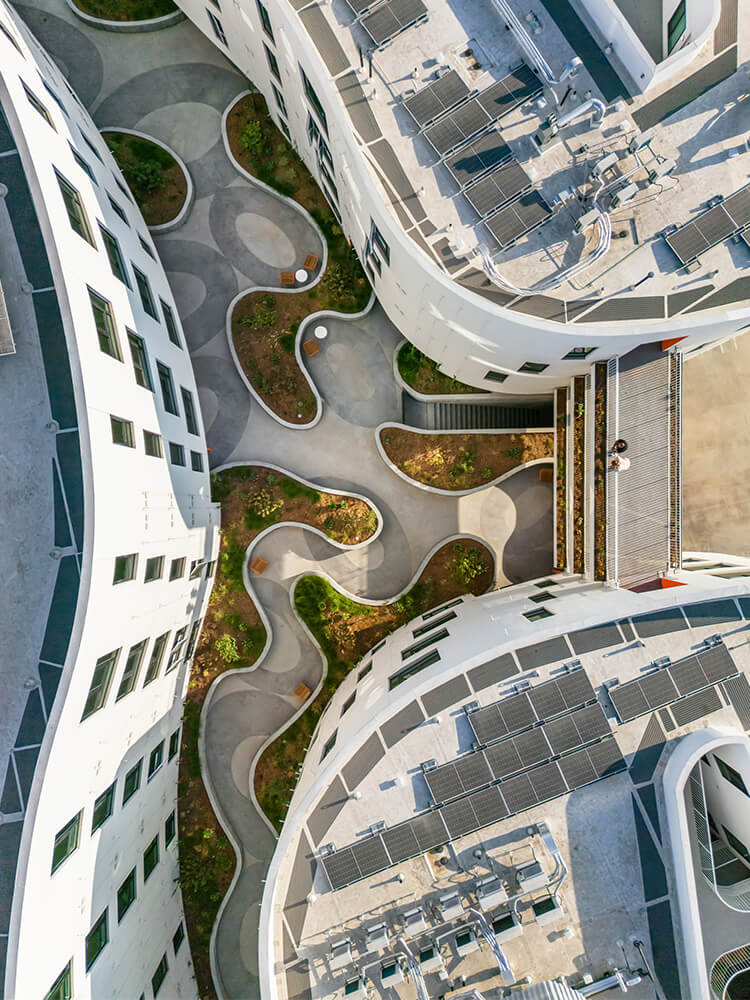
[110,541]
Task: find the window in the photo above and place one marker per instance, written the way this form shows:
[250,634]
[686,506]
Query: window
[210,568]
[576,353]
[155,760]
[96,940]
[380,645]
[729,774]
[424,629]
[118,209]
[377,239]
[177,569]
[285,129]
[413,668]
[16,46]
[103,808]
[126,895]
[736,844]
[542,584]
[196,461]
[154,569]
[364,671]
[104,321]
[62,988]
[122,432]
[146,247]
[537,614]
[90,144]
[122,187]
[82,163]
[150,858]
[167,388]
[157,655]
[348,703]
[216,25]
[174,656]
[125,568]
[140,360]
[38,106]
[314,101]
[495,376]
[272,62]
[194,631]
[196,568]
[544,596]
[170,324]
[132,667]
[330,744]
[77,217]
[105,667]
[152,444]
[178,937]
[170,828]
[116,261]
[66,842]
[144,290]
[417,647]
[132,781]
[54,96]
[174,744]
[176,453]
[189,407]
[160,975]
[279,99]
[676,26]
[532,367]
[265,20]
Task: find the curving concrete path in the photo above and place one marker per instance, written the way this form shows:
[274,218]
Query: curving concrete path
[238,236]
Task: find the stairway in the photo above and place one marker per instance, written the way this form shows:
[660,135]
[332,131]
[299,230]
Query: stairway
[474,416]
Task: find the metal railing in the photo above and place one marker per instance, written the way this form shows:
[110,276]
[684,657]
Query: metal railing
[726,967]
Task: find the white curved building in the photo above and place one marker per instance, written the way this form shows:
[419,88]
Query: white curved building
[516,265]
[558,771]
[109,542]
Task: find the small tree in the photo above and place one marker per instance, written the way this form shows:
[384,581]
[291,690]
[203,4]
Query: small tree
[251,138]
[226,647]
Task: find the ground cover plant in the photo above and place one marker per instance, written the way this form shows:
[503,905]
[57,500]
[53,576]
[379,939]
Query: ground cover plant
[155,178]
[424,375]
[125,10]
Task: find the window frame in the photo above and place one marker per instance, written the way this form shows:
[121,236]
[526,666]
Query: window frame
[155,761]
[265,20]
[38,105]
[177,454]
[139,359]
[102,921]
[149,438]
[114,255]
[130,880]
[532,368]
[104,670]
[75,209]
[118,209]
[176,650]
[107,332]
[159,562]
[182,563]
[134,774]
[62,988]
[169,322]
[174,744]
[578,353]
[144,292]
[731,775]
[168,395]
[70,836]
[151,858]
[107,800]
[493,376]
[157,658]
[178,937]
[123,431]
[217,28]
[196,461]
[134,572]
[191,414]
[83,164]
[273,62]
[132,669]
[170,828]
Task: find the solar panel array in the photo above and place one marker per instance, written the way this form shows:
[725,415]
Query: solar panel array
[432,101]
[472,812]
[480,156]
[518,218]
[712,227]
[360,7]
[667,684]
[391,18]
[501,186]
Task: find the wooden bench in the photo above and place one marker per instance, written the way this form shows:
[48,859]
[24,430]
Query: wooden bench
[258,565]
[311,262]
[287,279]
[546,474]
[302,691]
[311,347]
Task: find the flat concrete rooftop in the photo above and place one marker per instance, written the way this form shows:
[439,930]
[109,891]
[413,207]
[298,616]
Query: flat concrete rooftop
[706,139]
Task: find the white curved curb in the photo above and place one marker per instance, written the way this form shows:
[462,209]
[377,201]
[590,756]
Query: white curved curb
[474,489]
[452,397]
[163,227]
[127,27]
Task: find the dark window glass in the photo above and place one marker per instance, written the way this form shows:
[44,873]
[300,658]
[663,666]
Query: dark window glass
[96,940]
[329,745]
[152,443]
[495,376]
[62,988]
[91,146]
[132,781]
[189,407]
[150,858]
[104,321]
[532,367]
[272,62]
[38,106]
[170,828]
[178,937]
[156,759]
[122,432]
[314,101]
[196,461]
[154,569]
[176,453]
[103,807]
[82,164]
[731,775]
[177,569]
[265,20]
[132,667]
[167,388]
[115,255]
[676,26]
[279,99]
[76,212]
[577,353]
[126,895]
[157,655]
[216,25]
[125,568]
[170,324]
[66,841]
[140,360]
[118,209]
[174,744]
[105,667]
[144,290]
[176,654]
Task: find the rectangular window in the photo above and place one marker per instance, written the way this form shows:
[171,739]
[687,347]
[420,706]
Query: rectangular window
[132,781]
[122,187]
[194,632]
[62,988]
[155,760]
[144,290]
[125,568]
[176,453]
[96,940]
[377,239]
[126,895]
[417,647]
[38,106]
[122,432]
[216,25]
[140,360]
[329,745]
[424,629]
[196,461]
[174,744]
[17,47]
[736,844]
[348,703]
[577,353]
[413,668]
[364,671]
[54,96]
[82,164]
[66,842]
[495,376]
[160,975]
[314,101]
[170,324]
[729,774]
[103,808]
[189,407]
[273,64]
[177,569]
[105,667]
[132,667]
[167,388]
[285,129]
[265,20]
[210,568]
[77,217]
[118,209]
[279,99]
[532,367]
[537,614]
[157,655]
[170,828]
[90,144]
[146,248]
[152,443]
[176,653]
[178,937]
[154,569]
[196,568]
[114,253]
[676,26]
[104,321]
[150,858]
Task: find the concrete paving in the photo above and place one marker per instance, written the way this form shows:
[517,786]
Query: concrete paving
[237,237]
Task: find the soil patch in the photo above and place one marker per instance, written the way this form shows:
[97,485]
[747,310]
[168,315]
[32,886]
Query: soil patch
[424,375]
[600,472]
[579,434]
[156,179]
[561,483]
[462,461]
[346,630]
[125,10]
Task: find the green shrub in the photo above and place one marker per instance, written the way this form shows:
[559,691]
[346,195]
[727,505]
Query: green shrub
[468,564]
[144,177]
[263,315]
[515,452]
[262,510]
[287,342]
[251,139]
[191,725]
[226,647]
[232,561]
[293,488]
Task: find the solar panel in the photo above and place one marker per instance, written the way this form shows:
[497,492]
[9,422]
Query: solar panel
[745,237]
[688,675]
[341,868]
[400,842]
[477,158]
[591,723]
[459,818]
[433,100]
[716,663]
[606,757]
[577,769]
[547,781]
[562,734]
[532,747]
[473,771]
[658,688]
[390,19]
[463,123]
[519,793]
[370,855]
[488,724]
[713,226]
[547,700]
[508,93]
[429,829]
[737,205]
[629,700]
[488,805]
[360,6]
[443,782]
[518,218]
[576,688]
[517,712]
[696,706]
[494,190]
[503,758]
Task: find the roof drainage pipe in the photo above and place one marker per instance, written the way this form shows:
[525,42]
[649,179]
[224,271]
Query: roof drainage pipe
[419,984]
[489,935]
[532,51]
